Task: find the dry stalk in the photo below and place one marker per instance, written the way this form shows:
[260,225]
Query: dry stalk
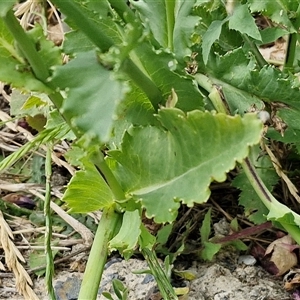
[13,258]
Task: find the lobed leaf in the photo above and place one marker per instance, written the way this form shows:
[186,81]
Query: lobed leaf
[161,66]
[242,21]
[211,35]
[92,95]
[161,167]
[87,191]
[243,85]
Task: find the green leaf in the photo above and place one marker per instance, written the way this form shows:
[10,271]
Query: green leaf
[107,295]
[187,147]
[205,227]
[146,239]
[242,21]
[211,35]
[155,14]
[76,41]
[120,290]
[170,22]
[243,85]
[184,28]
[81,198]
[100,29]
[163,234]
[277,11]
[5,6]
[92,95]
[166,78]
[209,251]
[255,210]
[50,54]
[29,104]
[239,245]
[271,84]
[271,34]
[126,239]
[135,109]
[210,5]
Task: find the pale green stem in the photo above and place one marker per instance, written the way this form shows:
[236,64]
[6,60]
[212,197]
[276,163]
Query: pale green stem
[214,93]
[170,7]
[98,254]
[258,185]
[270,201]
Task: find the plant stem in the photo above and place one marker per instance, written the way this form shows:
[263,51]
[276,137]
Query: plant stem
[93,31]
[214,93]
[26,46]
[123,10]
[98,255]
[170,5]
[291,44]
[143,82]
[28,49]
[259,58]
[48,232]
[274,206]
[101,165]
[82,20]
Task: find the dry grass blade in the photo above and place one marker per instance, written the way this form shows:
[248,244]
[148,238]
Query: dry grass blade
[291,187]
[85,233]
[12,257]
[4,117]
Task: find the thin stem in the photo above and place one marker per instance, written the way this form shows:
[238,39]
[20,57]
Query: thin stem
[215,94]
[93,31]
[123,10]
[48,231]
[98,255]
[101,165]
[259,58]
[143,82]
[83,21]
[26,46]
[275,207]
[256,182]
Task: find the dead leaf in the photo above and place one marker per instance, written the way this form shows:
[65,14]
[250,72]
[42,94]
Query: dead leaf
[282,255]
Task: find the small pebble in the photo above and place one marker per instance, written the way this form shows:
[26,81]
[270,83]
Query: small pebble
[247,260]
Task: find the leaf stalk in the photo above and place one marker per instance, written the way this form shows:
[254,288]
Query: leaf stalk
[98,254]
[170,5]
